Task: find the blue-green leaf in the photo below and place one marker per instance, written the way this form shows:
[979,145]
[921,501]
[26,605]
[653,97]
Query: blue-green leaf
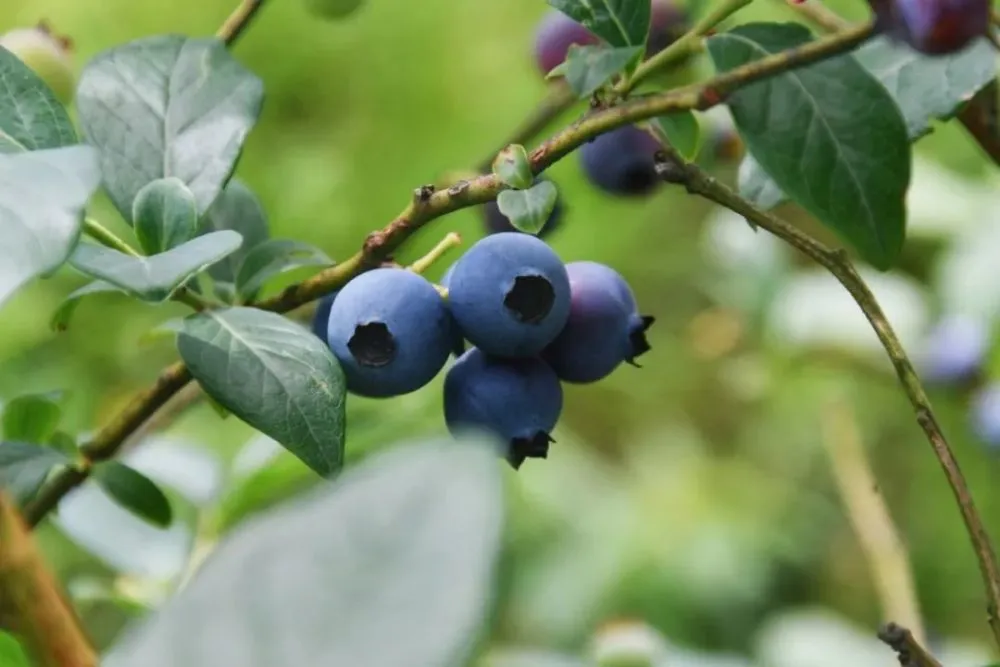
[135,492]
[588,68]
[165,215]
[528,210]
[618,22]
[31,117]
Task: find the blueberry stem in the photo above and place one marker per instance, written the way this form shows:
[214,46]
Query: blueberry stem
[451,240]
[238,21]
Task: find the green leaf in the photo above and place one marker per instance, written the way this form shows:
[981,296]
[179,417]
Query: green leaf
[61,317]
[43,194]
[391,566]
[925,88]
[528,210]
[273,257]
[590,67]
[11,653]
[273,374]
[157,277]
[165,106]
[165,215]
[512,166]
[828,134]
[618,22]
[24,467]
[31,418]
[238,209]
[928,87]
[63,442]
[135,492]
[683,132]
[31,118]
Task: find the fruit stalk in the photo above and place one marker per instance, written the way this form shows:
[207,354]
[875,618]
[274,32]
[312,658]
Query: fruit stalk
[451,240]
[238,21]
[836,261]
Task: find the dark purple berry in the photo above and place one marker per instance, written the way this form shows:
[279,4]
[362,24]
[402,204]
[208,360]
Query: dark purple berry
[497,222]
[604,327]
[667,23]
[621,162]
[509,294]
[555,34]
[391,332]
[518,400]
[933,27]
[321,319]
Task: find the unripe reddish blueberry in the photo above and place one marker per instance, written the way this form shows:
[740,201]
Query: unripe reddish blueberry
[50,56]
[933,27]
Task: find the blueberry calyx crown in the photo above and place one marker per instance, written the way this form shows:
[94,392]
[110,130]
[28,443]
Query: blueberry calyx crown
[534,447]
[637,339]
[530,299]
[372,344]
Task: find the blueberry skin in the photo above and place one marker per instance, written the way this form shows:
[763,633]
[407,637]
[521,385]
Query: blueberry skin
[933,27]
[518,400]
[391,332]
[985,414]
[955,350]
[555,33]
[509,294]
[458,340]
[496,222]
[621,162]
[604,327]
[667,23]
[321,319]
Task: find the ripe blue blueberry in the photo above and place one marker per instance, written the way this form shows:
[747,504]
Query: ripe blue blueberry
[604,327]
[955,350]
[621,162]
[985,414]
[509,294]
[321,319]
[933,27]
[497,222]
[391,332]
[518,400]
[458,340]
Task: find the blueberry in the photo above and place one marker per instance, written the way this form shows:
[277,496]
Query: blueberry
[621,162]
[933,27]
[518,400]
[321,319]
[497,222]
[509,294]
[458,340]
[391,332]
[555,34]
[667,22]
[955,350]
[604,327]
[985,413]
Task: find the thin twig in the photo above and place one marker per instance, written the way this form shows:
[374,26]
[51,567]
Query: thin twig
[836,261]
[428,204]
[238,21]
[884,551]
[818,13]
[908,650]
[33,605]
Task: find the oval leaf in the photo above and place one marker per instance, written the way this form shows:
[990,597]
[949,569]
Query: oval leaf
[43,193]
[391,567]
[513,167]
[274,375]
[167,106]
[31,418]
[618,22]
[238,209]
[154,278]
[24,467]
[135,492]
[590,67]
[273,257]
[829,135]
[165,215]
[528,210]
[64,313]
[31,118]
[683,132]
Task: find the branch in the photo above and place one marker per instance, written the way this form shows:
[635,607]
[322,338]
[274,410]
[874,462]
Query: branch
[980,118]
[884,551]
[427,204]
[837,263]
[907,648]
[238,21]
[32,603]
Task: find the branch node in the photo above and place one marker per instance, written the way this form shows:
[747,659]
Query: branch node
[423,194]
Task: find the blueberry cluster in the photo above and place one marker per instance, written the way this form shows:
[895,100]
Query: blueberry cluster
[533,323]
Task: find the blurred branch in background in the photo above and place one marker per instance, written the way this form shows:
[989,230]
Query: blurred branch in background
[907,648]
[675,169]
[884,551]
[981,118]
[818,13]
[31,603]
[238,21]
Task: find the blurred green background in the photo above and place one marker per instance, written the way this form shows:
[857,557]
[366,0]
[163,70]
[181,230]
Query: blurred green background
[694,493]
